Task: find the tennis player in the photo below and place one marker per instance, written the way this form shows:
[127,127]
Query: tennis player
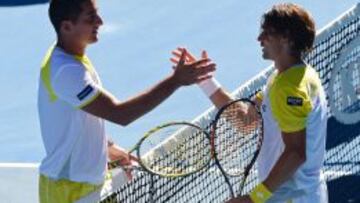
[294,108]
[73,104]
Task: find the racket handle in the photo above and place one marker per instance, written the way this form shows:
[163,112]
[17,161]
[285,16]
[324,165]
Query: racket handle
[133,166]
[209,86]
[117,164]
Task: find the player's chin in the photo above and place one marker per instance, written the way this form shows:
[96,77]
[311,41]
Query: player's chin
[93,39]
[265,56]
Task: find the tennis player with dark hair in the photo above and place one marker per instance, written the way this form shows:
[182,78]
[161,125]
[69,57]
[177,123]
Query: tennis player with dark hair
[294,109]
[73,105]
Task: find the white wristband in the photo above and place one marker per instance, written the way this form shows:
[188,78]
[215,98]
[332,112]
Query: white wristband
[209,86]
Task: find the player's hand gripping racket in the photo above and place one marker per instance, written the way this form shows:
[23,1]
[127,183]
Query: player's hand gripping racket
[165,150]
[236,139]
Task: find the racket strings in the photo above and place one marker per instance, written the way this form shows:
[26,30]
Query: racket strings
[237,138]
[183,156]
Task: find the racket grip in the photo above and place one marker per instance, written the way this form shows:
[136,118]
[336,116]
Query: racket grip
[209,86]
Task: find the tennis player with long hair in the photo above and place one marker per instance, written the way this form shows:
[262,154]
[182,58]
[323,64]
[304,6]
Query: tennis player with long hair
[294,109]
[73,105]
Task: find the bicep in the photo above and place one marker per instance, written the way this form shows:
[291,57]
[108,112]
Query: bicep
[104,106]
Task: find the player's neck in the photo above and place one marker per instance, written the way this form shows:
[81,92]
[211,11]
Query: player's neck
[285,63]
[70,47]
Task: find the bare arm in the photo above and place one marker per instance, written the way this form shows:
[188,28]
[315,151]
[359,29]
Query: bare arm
[117,153]
[290,160]
[220,98]
[108,107]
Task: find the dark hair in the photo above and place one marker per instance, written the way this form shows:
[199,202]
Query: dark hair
[60,10]
[292,22]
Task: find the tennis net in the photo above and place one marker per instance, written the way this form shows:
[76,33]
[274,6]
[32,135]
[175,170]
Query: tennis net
[336,58]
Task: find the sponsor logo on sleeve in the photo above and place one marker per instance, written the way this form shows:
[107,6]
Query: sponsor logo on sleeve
[85,92]
[294,101]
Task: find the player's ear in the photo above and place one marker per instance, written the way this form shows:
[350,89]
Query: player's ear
[66,26]
[286,42]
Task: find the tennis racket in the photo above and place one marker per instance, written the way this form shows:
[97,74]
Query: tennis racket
[236,138]
[170,142]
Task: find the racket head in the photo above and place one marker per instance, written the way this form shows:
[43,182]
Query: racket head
[167,150]
[236,139]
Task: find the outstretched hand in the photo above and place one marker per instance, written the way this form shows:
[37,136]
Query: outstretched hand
[189,57]
[188,70]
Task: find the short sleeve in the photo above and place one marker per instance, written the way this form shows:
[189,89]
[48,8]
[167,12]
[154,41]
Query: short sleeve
[290,107]
[74,84]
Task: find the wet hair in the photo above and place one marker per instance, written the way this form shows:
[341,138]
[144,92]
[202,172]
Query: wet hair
[292,22]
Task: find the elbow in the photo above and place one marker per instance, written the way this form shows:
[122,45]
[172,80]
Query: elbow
[297,156]
[121,115]
[121,120]
[124,122]
[300,156]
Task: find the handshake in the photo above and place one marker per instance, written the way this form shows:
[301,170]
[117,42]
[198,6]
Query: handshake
[188,70]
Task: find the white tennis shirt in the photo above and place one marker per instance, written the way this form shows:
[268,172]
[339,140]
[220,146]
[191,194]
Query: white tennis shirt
[292,101]
[75,141]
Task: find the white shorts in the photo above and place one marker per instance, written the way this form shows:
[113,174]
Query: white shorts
[317,194]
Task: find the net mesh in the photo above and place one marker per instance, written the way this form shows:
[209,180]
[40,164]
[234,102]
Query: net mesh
[336,58]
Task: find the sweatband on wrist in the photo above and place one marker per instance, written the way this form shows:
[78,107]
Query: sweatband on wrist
[260,194]
[209,86]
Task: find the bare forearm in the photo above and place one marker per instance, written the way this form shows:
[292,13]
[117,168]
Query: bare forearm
[220,98]
[108,107]
[132,109]
[115,151]
[285,167]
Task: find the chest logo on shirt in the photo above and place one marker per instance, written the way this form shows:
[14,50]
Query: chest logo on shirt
[294,101]
[85,92]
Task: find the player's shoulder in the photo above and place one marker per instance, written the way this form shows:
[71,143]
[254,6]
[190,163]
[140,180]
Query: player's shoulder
[61,57]
[298,76]
[61,61]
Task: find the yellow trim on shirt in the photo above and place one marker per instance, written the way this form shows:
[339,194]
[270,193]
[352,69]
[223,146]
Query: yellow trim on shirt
[45,74]
[86,62]
[89,101]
